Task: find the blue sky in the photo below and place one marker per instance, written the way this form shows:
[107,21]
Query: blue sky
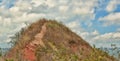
[96,21]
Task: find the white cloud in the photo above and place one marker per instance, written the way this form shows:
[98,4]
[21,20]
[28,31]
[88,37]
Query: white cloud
[61,18]
[83,11]
[112,5]
[28,17]
[84,7]
[27,10]
[89,36]
[7,22]
[23,25]
[0,19]
[8,40]
[63,1]
[105,40]
[85,34]
[51,3]
[63,8]
[37,3]
[76,27]
[111,19]
[14,9]
[113,36]
[73,24]
[95,32]
[23,5]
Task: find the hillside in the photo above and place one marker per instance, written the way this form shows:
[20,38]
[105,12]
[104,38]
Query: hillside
[48,40]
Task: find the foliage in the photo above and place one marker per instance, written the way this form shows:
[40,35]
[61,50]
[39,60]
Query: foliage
[0,52]
[57,55]
[114,51]
[97,55]
[57,34]
[9,60]
[16,37]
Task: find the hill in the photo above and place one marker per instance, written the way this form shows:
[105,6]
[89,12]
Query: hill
[48,40]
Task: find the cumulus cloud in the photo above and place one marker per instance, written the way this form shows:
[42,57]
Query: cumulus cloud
[7,22]
[84,7]
[113,36]
[83,10]
[90,34]
[70,12]
[111,19]
[112,5]
[75,26]
[63,8]
[95,32]
[37,3]
[105,40]
[11,16]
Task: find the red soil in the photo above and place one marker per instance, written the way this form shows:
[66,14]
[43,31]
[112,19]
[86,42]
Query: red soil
[29,50]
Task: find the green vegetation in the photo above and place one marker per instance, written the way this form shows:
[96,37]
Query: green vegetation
[114,51]
[16,37]
[60,54]
[57,48]
[97,55]
[9,60]
[0,52]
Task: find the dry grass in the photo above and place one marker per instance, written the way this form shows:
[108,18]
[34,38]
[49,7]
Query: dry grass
[62,44]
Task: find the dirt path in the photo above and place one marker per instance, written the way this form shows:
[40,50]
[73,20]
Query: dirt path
[29,50]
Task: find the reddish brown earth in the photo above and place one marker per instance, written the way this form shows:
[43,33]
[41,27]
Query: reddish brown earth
[43,38]
[29,50]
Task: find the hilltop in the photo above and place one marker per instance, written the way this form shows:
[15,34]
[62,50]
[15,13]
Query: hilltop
[48,40]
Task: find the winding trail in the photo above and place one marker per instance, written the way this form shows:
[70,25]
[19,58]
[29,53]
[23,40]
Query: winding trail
[29,50]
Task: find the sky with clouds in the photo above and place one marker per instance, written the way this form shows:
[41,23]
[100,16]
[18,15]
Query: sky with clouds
[96,21]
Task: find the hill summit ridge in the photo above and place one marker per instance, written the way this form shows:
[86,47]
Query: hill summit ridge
[48,40]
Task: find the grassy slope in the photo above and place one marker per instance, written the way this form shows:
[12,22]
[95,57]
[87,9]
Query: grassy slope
[58,39]
[62,44]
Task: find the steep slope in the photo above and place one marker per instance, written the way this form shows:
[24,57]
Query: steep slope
[52,41]
[31,47]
